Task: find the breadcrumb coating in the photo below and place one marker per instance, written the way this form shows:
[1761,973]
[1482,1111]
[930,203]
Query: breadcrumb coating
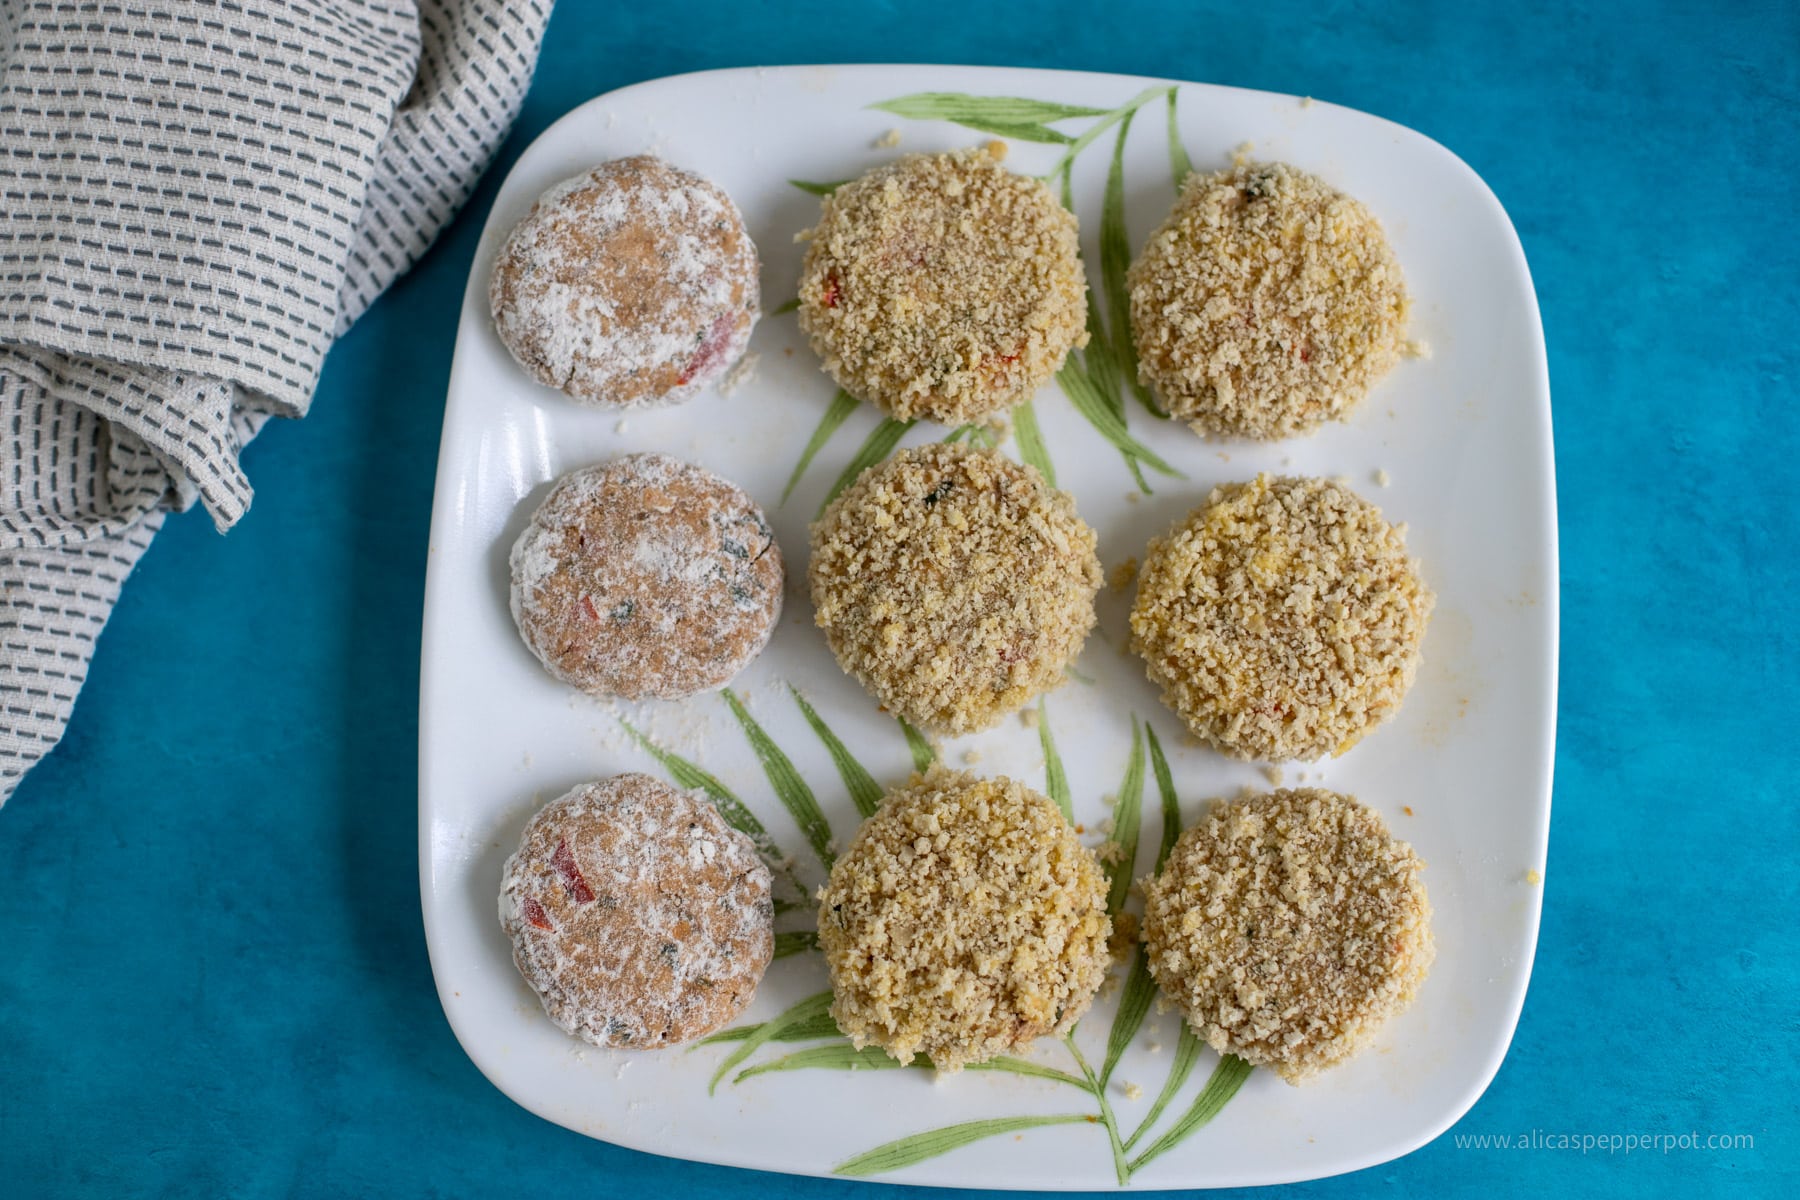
[964,921]
[943,286]
[1267,304]
[1282,618]
[1288,927]
[954,583]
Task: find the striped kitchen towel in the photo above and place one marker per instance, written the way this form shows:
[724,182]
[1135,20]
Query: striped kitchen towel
[196,198]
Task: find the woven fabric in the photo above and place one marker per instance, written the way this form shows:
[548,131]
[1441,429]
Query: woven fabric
[196,198]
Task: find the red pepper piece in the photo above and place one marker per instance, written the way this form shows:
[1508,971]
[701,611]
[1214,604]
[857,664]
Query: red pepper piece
[712,348]
[570,874]
[587,606]
[534,913]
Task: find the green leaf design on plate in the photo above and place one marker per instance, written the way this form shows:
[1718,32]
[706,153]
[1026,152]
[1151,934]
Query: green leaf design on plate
[809,1030]
[1106,121]
[865,793]
[878,445]
[786,308]
[1134,1005]
[906,1151]
[922,753]
[1171,809]
[841,1055]
[1220,1087]
[1110,424]
[1115,257]
[1127,815]
[1180,166]
[797,941]
[795,796]
[976,435]
[819,189]
[1056,781]
[962,107]
[1023,132]
[807,1010]
[1031,441]
[842,405]
[1187,1053]
[739,817]
[1098,1090]
[1020,1066]
[835,1056]
[1140,987]
[1134,1000]
[1004,116]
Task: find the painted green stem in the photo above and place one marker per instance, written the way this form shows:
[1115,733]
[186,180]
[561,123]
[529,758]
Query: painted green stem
[792,790]
[1056,781]
[1187,1053]
[1120,1167]
[904,1152]
[865,793]
[1220,1087]
[808,1009]
[842,405]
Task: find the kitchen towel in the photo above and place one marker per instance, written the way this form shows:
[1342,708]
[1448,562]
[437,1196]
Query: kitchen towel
[196,198]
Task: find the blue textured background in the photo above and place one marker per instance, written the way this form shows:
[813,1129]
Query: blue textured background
[212,972]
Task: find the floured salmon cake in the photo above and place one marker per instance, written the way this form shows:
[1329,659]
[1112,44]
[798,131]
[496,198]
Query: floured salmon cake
[636,914]
[646,578]
[964,921]
[943,286]
[1288,928]
[629,285]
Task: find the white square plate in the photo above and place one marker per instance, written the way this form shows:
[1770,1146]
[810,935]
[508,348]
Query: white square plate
[1463,772]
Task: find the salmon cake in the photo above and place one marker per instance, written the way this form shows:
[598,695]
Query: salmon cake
[646,578]
[1267,304]
[632,284]
[964,921]
[1288,928]
[954,583]
[1283,619]
[636,914]
[943,286]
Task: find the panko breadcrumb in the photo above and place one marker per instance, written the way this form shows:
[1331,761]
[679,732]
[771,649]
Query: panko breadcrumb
[1267,303]
[964,921]
[1288,927]
[943,286]
[954,583]
[1282,618]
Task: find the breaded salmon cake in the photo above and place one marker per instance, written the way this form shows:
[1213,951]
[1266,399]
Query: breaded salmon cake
[964,921]
[954,583]
[1282,618]
[1266,304]
[1288,927]
[943,286]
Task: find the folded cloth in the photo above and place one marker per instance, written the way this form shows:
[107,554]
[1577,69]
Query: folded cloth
[196,198]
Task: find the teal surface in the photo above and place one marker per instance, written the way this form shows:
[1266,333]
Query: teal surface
[213,976]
